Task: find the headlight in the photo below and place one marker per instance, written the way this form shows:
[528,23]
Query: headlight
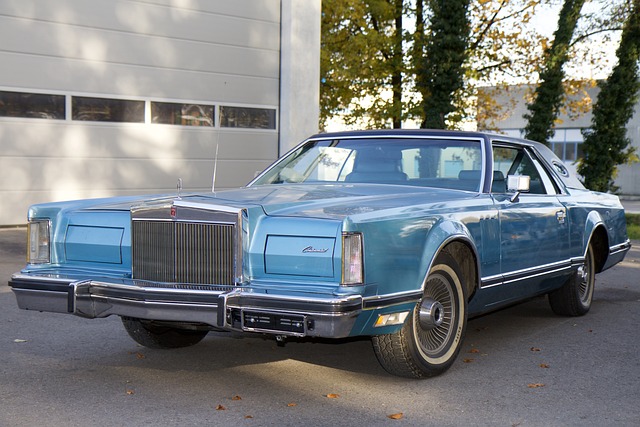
[38,232]
[352,259]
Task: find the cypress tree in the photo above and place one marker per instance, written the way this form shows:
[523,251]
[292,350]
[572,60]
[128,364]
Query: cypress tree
[606,145]
[440,72]
[548,95]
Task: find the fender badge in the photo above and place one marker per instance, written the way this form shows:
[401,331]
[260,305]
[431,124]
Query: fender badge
[311,249]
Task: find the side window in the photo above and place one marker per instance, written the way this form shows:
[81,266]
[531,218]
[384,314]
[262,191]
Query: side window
[508,160]
[546,183]
[411,163]
[504,159]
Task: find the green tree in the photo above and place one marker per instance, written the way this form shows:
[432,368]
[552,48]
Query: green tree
[606,145]
[361,59]
[502,51]
[439,74]
[375,72]
[549,94]
[371,62]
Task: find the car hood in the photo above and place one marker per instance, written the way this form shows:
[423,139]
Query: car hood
[330,201]
[334,201]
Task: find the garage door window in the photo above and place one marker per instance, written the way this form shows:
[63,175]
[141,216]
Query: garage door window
[32,105]
[107,110]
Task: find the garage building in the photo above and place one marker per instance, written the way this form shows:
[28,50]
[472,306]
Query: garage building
[120,97]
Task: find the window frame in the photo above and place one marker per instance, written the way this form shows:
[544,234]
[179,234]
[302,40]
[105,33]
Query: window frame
[548,178]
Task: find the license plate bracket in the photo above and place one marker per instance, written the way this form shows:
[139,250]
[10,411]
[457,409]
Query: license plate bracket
[264,321]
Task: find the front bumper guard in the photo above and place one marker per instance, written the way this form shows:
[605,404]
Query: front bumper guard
[226,307]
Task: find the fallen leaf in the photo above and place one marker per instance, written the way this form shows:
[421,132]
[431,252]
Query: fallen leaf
[535,385]
[130,392]
[19,341]
[140,356]
[474,350]
[467,360]
[535,349]
[236,397]
[248,417]
[333,396]
[292,404]
[544,365]
[397,416]
[220,408]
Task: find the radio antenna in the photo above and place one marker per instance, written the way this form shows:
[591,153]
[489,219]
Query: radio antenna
[215,164]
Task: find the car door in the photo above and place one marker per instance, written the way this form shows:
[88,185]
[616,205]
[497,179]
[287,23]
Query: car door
[534,231]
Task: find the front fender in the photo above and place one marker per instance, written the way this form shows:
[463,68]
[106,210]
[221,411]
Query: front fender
[394,299]
[441,235]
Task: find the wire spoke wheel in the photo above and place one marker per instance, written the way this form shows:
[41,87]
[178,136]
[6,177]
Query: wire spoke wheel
[575,296]
[584,277]
[429,342]
[433,340]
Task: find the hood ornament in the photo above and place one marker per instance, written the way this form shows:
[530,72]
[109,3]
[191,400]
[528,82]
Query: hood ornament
[179,188]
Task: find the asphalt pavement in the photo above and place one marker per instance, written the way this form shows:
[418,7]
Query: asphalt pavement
[523,366]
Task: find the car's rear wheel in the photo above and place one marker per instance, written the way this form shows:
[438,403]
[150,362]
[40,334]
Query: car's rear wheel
[429,341]
[575,296]
[151,335]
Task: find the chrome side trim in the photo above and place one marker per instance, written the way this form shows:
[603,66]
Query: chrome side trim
[617,254]
[42,278]
[530,273]
[622,247]
[381,301]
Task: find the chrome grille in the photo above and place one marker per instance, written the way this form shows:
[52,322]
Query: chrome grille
[183,252]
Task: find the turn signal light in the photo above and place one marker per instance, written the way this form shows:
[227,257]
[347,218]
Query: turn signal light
[38,232]
[352,259]
[391,319]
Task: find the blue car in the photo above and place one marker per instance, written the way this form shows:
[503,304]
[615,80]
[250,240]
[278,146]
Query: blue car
[399,235]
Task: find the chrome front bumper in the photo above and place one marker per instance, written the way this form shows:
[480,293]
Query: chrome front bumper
[227,307]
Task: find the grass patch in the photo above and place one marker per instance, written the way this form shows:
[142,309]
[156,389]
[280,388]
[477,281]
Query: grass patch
[633,226]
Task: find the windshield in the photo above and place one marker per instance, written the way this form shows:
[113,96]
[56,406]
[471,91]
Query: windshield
[444,163]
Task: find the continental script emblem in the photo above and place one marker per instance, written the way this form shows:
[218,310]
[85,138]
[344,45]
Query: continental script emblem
[311,249]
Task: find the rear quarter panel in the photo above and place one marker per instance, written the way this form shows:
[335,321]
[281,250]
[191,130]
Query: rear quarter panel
[588,210]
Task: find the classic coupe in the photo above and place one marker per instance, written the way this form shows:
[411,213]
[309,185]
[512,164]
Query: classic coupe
[398,235]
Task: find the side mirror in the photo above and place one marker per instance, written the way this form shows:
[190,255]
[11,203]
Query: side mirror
[518,184]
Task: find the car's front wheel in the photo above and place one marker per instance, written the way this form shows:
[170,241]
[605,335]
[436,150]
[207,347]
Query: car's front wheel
[575,296]
[151,335]
[429,342]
